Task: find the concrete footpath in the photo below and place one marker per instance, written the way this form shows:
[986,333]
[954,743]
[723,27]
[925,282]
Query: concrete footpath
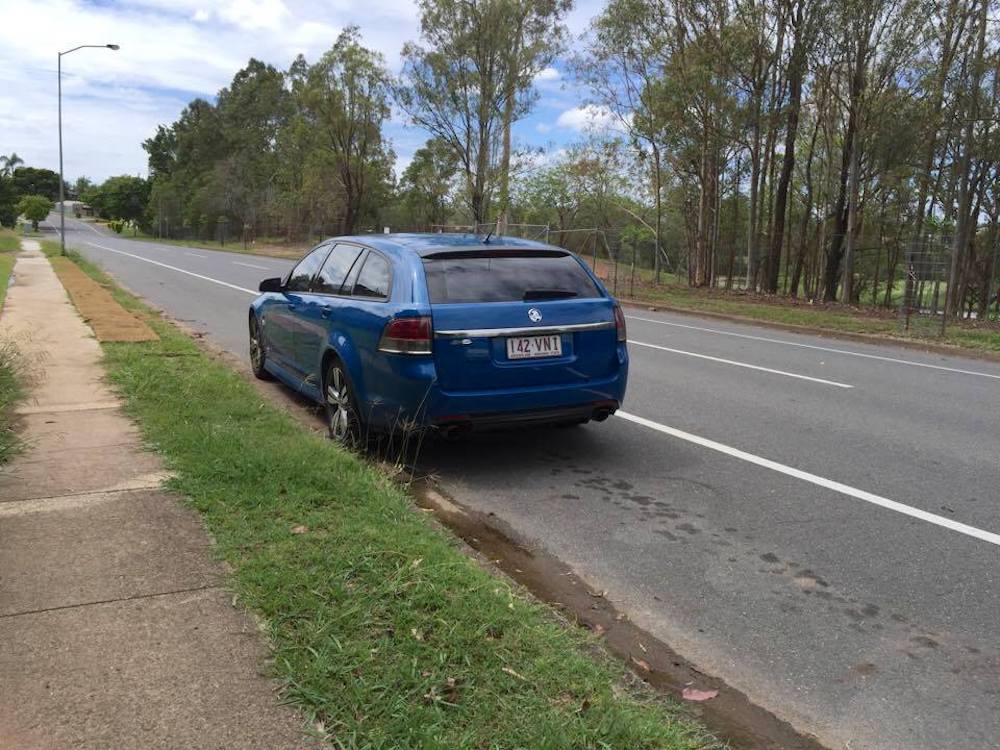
[116,630]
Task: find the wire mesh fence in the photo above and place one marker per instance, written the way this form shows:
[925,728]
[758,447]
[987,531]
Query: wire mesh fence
[891,274]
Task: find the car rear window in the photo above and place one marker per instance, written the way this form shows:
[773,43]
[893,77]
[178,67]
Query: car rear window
[506,278]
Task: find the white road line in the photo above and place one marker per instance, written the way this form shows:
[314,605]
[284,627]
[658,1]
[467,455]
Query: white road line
[196,255]
[909,362]
[741,364]
[92,228]
[868,497]
[251,265]
[175,268]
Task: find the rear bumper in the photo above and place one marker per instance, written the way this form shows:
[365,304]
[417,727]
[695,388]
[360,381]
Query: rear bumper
[594,399]
[597,410]
[413,395]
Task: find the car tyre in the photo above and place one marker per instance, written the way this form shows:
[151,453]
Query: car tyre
[258,351]
[343,421]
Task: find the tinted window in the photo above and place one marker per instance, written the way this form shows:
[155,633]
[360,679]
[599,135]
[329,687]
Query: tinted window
[338,263]
[507,278]
[373,281]
[301,276]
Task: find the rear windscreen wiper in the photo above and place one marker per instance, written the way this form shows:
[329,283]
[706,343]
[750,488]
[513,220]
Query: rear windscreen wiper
[533,294]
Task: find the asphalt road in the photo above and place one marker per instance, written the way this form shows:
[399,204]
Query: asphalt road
[814,521]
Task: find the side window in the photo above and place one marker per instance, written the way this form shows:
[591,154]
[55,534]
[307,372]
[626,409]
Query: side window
[301,276]
[373,281]
[338,263]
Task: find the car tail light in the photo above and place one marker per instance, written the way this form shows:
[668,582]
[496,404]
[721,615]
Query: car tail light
[620,324]
[407,336]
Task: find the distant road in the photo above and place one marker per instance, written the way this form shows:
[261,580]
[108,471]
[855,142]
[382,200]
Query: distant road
[812,520]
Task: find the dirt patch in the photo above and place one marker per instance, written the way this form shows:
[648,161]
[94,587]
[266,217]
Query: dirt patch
[109,320]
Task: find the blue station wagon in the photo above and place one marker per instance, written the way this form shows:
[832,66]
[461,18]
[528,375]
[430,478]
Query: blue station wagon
[400,332]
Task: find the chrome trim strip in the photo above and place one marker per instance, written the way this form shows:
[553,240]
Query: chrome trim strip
[488,333]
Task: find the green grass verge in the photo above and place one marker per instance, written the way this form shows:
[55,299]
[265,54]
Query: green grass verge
[10,380]
[266,247]
[8,247]
[982,337]
[383,629]
[11,391]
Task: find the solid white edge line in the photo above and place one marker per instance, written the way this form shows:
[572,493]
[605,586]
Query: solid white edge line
[834,383]
[848,352]
[868,497]
[175,268]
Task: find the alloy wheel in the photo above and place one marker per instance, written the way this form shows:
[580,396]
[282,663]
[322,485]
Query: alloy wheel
[342,420]
[256,346]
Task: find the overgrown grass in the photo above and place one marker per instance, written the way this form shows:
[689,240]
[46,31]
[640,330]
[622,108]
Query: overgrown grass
[8,246]
[10,365]
[383,630]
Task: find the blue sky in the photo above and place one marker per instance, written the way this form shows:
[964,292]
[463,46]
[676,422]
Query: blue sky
[175,50]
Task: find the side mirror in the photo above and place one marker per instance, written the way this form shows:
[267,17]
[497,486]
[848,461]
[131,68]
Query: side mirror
[271,285]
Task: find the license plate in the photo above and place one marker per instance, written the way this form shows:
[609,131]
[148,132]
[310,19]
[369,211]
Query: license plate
[532,347]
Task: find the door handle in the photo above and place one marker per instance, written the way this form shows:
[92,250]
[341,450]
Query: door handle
[325,314]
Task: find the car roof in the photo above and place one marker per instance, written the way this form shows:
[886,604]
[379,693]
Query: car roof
[425,244]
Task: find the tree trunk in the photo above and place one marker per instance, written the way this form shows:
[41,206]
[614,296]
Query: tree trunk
[793,287]
[836,253]
[962,229]
[755,173]
[852,220]
[796,73]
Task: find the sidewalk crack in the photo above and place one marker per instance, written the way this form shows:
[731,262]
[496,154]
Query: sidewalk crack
[135,597]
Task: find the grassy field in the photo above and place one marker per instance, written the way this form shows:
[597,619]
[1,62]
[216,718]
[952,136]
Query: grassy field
[10,385]
[833,318]
[271,247]
[384,632]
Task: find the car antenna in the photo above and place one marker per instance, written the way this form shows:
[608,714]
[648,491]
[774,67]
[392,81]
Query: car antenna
[490,233]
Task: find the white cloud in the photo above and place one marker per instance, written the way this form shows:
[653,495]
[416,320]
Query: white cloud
[252,15]
[587,119]
[547,75]
[171,52]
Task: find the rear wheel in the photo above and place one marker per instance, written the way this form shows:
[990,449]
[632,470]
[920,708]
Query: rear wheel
[258,354]
[342,419]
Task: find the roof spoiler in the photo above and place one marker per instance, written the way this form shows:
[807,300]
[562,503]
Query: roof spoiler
[497,252]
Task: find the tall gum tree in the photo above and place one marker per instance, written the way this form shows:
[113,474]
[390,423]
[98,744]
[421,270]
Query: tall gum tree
[470,79]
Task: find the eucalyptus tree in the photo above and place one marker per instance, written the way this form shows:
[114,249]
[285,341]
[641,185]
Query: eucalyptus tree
[878,40]
[804,20]
[343,104]
[470,81]
[621,62]
[252,111]
[426,184]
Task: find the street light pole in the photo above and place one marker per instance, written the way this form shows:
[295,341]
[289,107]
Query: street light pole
[62,182]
